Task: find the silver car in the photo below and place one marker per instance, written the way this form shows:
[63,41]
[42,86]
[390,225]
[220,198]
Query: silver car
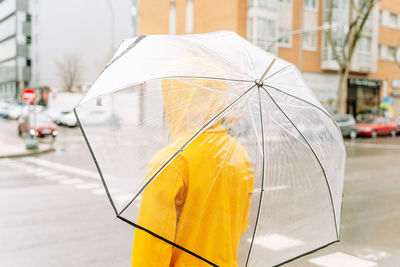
[347,125]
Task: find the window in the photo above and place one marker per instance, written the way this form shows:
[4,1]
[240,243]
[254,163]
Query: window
[393,19]
[285,38]
[391,55]
[310,41]
[250,29]
[267,3]
[285,1]
[311,4]
[265,29]
[364,44]
[364,51]
[380,51]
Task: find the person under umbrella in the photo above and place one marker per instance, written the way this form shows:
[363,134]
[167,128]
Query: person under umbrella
[210,183]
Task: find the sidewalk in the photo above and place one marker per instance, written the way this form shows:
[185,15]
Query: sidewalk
[13,146]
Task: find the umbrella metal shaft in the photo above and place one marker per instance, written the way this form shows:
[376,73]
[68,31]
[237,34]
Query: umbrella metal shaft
[259,82]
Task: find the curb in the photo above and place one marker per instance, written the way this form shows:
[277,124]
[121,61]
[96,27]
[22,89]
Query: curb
[29,153]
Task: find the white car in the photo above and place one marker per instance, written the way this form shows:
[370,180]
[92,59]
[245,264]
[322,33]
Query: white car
[56,114]
[14,112]
[69,120]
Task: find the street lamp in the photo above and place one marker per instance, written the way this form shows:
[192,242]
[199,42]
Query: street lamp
[112,22]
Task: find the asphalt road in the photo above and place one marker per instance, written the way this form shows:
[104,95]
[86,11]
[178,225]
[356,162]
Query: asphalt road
[54,211]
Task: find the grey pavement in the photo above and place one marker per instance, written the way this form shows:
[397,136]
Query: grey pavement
[54,211]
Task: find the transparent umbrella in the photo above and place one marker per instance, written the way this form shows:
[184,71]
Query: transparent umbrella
[215,151]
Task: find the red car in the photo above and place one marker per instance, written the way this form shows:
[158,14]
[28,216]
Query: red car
[376,125]
[38,124]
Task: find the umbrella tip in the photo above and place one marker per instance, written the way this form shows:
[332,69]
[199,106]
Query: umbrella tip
[259,82]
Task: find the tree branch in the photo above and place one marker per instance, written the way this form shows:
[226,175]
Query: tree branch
[330,38]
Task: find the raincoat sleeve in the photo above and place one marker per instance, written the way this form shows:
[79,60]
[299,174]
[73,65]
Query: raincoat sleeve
[159,212]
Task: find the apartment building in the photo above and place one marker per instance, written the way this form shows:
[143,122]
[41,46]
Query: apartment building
[15,40]
[41,40]
[374,73]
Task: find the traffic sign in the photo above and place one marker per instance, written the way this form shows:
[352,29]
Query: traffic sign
[29,95]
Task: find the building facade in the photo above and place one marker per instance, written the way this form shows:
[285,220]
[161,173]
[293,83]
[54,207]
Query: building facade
[375,71]
[15,40]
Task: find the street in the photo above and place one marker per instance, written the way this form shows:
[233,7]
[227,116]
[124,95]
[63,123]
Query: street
[54,211]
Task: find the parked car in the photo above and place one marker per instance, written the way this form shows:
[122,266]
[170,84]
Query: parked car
[38,124]
[69,120]
[377,125]
[4,109]
[14,111]
[398,124]
[347,125]
[56,114]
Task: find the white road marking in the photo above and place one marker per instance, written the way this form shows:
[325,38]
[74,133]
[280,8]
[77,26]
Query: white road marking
[341,259]
[44,173]
[276,188]
[57,177]
[99,192]
[368,145]
[63,167]
[71,181]
[371,254]
[123,198]
[36,169]
[29,169]
[270,188]
[277,242]
[87,186]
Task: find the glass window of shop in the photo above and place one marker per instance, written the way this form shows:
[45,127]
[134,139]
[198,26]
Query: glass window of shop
[363,97]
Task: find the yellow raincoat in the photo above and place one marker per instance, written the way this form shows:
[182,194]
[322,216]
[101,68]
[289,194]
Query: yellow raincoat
[201,200]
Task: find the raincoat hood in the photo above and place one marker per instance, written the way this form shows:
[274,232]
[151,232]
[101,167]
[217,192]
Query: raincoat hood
[199,100]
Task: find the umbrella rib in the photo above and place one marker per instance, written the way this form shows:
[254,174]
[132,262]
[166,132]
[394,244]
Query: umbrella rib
[287,66]
[96,163]
[262,177]
[141,37]
[315,155]
[305,101]
[204,128]
[165,240]
[304,254]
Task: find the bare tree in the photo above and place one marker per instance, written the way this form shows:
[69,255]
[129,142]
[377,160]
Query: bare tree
[343,56]
[70,70]
[395,54]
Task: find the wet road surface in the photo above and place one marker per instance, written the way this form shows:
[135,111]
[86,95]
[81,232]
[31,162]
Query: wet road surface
[54,211]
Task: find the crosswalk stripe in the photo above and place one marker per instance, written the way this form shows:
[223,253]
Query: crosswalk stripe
[342,260]
[63,167]
[88,186]
[71,181]
[98,192]
[44,173]
[57,177]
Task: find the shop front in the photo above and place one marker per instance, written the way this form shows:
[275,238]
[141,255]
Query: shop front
[363,96]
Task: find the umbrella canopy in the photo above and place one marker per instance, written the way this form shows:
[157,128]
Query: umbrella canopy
[215,151]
